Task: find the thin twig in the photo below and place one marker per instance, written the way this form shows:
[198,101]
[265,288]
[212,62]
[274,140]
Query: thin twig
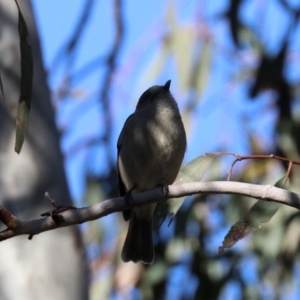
[53,202]
[70,46]
[257,156]
[106,85]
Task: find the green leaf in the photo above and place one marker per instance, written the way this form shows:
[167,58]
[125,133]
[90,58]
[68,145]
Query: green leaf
[156,273]
[201,70]
[26,83]
[261,212]
[180,41]
[247,36]
[196,168]
[182,38]
[193,171]
[22,124]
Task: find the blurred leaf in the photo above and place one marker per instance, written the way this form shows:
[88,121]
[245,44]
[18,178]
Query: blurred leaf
[156,64]
[156,273]
[178,248]
[247,35]
[1,86]
[94,192]
[198,78]
[202,69]
[78,94]
[255,169]
[290,241]
[179,43]
[22,124]
[26,83]
[272,236]
[182,44]
[286,140]
[193,171]
[261,212]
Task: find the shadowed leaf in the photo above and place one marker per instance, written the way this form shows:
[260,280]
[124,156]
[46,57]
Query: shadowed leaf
[193,171]
[261,212]
[1,87]
[22,124]
[26,83]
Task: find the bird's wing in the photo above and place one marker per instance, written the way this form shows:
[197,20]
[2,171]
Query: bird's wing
[122,190]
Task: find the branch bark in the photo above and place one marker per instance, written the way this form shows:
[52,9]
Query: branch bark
[81,215]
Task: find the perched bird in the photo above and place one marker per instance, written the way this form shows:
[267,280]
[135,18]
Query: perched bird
[151,148]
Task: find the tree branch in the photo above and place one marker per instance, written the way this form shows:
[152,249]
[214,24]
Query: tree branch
[16,227]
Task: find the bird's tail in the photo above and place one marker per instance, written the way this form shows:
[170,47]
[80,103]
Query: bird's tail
[138,245]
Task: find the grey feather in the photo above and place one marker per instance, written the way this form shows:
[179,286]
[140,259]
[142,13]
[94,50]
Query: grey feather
[151,148]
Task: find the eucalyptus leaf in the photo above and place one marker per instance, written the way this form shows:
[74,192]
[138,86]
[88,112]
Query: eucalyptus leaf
[22,124]
[182,44]
[261,212]
[193,171]
[156,65]
[26,83]
[1,87]
[202,69]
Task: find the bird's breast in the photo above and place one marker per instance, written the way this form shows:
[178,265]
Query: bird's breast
[152,152]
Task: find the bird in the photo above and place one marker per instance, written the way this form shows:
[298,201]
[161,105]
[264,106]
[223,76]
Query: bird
[151,148]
